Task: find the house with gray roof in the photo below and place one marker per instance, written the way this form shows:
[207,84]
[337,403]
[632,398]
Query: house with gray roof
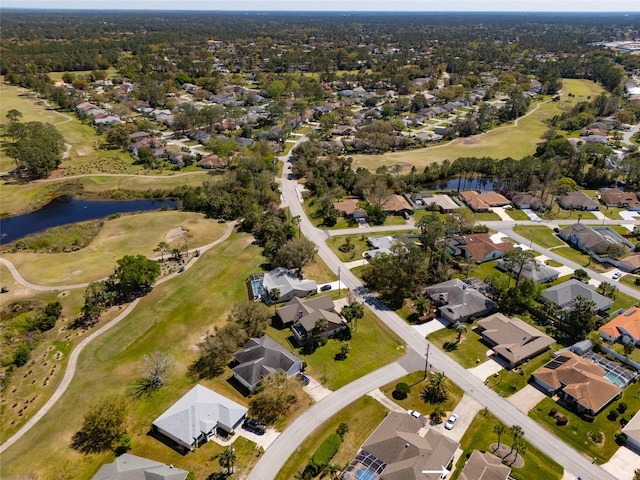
[484,466]
[196,417]
[397,451]
[130,467]
[457,301]
[564,294]
[287,283]
[512,339]
[539,272]
[578,201]
[593,239]
[261,356]
[303,315]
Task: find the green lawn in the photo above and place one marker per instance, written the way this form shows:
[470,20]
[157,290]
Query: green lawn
[173,318]
[373,345]
[622,300]
[359,242]
[517,214]
[542,235]
[468,353]
[486,217]
[362,416]
[575,255]
[480,436]
[508,382]
[484,270]
[557,213]
[414,400]
[630,280]
[575,433]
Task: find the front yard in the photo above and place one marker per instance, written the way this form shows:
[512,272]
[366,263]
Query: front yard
[541,235]
[468,353]
[508,382]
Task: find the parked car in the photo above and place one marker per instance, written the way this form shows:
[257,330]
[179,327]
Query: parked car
[181,269]
[324,288]
[303,378]
[254,426]
[616,275]
[4,290]
[451,422]
[413,413]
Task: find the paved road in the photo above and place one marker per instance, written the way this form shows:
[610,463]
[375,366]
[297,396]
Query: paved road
[273,459]
[73,359]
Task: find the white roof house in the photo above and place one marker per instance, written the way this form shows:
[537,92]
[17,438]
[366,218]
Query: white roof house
[288,284]
[130,467]
[195,418]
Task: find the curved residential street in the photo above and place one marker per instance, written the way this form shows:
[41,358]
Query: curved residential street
[274,458]
[75,353]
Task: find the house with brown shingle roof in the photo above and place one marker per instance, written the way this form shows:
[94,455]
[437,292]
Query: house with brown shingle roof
[484,466]
[625,328]
[578,201]
[578,381]
[483,201]
[479,247]
[303,315]
[512,339]
[349,208]
[593,239]
[212,161]
[614,197]
[526,200]
[630,264]
[396,205]
[396,451]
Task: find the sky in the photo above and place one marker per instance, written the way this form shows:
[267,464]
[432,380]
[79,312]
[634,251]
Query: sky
[337,5]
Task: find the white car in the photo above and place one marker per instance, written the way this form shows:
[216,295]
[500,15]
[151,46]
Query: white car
[413,413]
[451,422]
[616,275]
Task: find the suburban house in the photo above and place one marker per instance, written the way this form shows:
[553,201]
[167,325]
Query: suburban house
[198,416]
[444,203]
[396,450]
[563,295]
[512,339]
[484,466]
[483,201]
[539,273]
[287,283]
[130,467]
[396,205]
[630,264]
[479,247]
[212,162]
[379,245]
[578,201]
[597,239]
[349,208]
[261,356]
[303,315]
[614,197]
[577,381]
[625,328]
[457,301]
[632,431]
[528,201]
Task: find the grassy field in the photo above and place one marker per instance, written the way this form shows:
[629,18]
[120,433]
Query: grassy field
[57,76]
[126,235]
[363,416]
[575,433]
[172,318]
[373,346]
[508,141]
[414,400]
[540,234]
[480,436]
[468,353]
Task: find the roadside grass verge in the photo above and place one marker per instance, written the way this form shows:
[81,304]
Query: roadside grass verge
[557,213]
[480,436]
[126,235]
[173,318]
[540,234]
[373,346]
[362,416]
[508,382]
[469,353]
[629,280]
[517,214]
[414,400]
[576,432]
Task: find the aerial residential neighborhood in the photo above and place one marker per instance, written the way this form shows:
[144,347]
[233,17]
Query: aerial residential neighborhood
[294,245]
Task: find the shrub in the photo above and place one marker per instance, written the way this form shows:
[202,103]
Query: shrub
[402,391]
[552,412]
[327,450]
[613,415]
[622,407]
[22,355]
[562,420]
[342,430]
[620,438]
[596,437]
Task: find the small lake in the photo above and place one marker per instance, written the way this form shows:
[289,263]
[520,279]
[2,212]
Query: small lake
[66,209]
[481,183]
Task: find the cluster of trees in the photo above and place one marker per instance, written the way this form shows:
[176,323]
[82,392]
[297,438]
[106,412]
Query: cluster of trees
[320,461]
[35,146]
[275,395]
[104,425]
[133,276]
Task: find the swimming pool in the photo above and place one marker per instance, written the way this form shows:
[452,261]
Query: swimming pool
[365,474]
[615,379]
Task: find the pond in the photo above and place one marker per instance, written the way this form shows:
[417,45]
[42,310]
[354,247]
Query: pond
[65,209]
[480,183]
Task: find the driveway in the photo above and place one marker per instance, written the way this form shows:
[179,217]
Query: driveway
[563,270]
[622,464]
[263,441]
[425,329]
[466,411]
[316,390]
[527,398]
[486,369]
[386,401]
[502,213]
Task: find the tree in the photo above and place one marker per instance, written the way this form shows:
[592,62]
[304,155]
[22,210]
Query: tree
[155,367]
[253,317]
[628,348]
[422,305]
[103,426]
[296,254]
[437,414]
[118,136]
[342,430]
[520,447]
[499,429]
[163,247]
[437,389]
[516,261]
[276,394]
[13,115]
[582,318]
[461,328]
[581,275]
[352,313]
[37,147]
[345,347]
[517,433]
[227,459]
[133,275]
[401,391]
[274,294]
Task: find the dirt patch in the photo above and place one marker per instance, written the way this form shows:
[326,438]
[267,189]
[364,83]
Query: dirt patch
[175,233]
[470,141]
[509,458]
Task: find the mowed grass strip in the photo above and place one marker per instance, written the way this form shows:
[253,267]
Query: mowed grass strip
[373,345]
[540,234]
[362,416]
[172,318]
[126,235]
[468,353]
[480,436]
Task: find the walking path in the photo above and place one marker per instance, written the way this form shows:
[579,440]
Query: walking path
[73,359]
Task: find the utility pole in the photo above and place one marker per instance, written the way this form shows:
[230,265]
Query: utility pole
[339,285]
[426,362]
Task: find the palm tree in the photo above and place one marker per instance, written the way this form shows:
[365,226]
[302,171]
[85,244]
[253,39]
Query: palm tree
[321,325]
[520,447]
[437,389]
[461,328]
[422,305]
[227,459]
[162,247]
[517,433]
[437,414]
[499,429]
